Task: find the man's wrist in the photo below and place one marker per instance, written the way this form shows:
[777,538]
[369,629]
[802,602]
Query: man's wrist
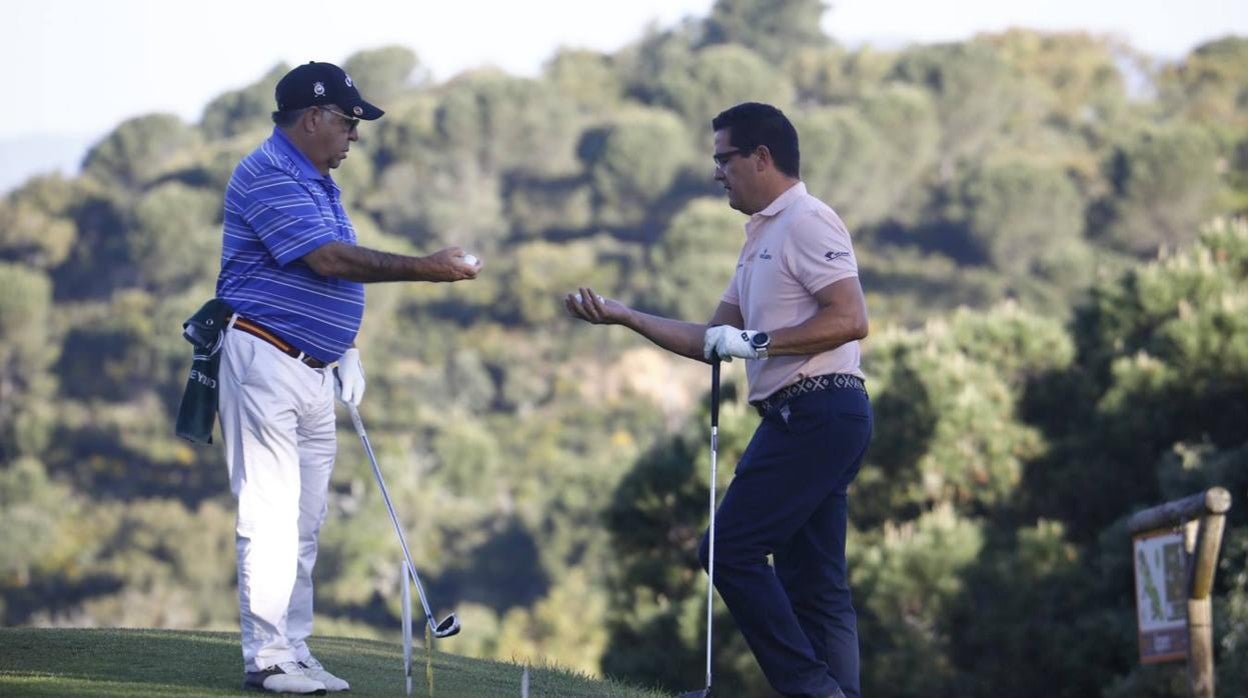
[760,342]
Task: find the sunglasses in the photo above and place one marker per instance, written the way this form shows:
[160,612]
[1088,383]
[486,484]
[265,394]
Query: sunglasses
[350,121]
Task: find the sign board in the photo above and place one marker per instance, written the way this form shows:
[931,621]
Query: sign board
[1161,595]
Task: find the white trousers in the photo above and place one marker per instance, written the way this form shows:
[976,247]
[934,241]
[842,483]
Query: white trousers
[277,420]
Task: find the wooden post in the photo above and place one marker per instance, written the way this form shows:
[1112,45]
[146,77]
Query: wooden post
[1203,517]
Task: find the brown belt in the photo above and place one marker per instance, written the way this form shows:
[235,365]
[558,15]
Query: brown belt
[251,328]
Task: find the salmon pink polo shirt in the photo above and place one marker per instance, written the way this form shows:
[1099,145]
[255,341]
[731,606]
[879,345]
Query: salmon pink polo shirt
[793,248]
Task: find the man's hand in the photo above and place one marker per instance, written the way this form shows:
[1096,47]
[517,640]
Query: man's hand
[452,264]
[591,307]
[350,374]
[726,341]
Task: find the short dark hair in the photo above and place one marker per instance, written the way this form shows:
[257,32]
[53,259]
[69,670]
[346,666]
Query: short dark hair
[288,118]
[752,124]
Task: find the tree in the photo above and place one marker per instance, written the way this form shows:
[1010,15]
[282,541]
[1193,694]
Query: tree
[833,75]
[643,64]
[176,237]
[974,91]
[717,77]
[1161,352]
[36,226]
[27,351]
[505,124]
[1073,78]
[924,453]
[99,263]
[37,514]
[657,602]
[693,261]
[637,159]
[167,566]
[909,578]
[1210,85]
[538,206]
[905,120]
[383,74]
[775,30]
[1022,215]
[1029,611]
[244,110]
[868,160]
[140,150]
[589,78]
[1165,183]
[436,201]
[408,131]
[541,272]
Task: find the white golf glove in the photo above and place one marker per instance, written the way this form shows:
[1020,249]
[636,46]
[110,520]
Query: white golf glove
[350,374]
[727,341]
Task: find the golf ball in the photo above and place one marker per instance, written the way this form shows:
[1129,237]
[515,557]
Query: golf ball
[470,260]
[579,299]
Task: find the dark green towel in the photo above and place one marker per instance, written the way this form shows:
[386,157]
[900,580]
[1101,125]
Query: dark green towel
[198,410]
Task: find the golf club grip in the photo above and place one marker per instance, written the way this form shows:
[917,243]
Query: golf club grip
[714,391]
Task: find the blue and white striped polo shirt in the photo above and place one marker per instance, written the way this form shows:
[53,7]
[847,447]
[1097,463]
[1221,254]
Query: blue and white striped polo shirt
[278,208]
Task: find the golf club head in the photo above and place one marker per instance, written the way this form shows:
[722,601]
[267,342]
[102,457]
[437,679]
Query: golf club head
[700,693]
[448,627]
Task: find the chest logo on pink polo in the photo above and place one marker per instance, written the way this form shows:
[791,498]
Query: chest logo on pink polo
[763,254]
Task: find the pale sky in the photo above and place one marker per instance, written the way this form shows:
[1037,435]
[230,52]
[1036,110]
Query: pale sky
[78,67]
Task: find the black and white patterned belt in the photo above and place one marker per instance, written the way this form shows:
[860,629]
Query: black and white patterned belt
[809,384]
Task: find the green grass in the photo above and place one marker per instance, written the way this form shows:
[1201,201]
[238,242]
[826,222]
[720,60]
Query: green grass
[111,663]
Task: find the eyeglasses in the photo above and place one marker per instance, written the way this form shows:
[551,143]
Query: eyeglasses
[725,157]
[351,122]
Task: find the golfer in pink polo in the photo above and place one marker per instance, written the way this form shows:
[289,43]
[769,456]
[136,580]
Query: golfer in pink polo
[795,312]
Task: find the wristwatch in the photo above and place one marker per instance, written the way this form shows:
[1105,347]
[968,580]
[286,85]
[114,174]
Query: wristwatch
[760,341]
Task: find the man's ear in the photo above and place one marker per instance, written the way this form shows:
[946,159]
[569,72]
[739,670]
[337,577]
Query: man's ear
[763,158]
[311,119]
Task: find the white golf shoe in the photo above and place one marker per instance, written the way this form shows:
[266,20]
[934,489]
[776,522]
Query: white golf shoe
[287,677]
[314,669]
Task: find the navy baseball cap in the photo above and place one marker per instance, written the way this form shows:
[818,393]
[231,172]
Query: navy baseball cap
[318,84]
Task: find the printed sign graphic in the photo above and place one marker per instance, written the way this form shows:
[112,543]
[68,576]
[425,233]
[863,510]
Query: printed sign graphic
[1161,596]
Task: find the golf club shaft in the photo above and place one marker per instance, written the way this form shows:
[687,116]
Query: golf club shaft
[407,627]
[710,563]
[398,528]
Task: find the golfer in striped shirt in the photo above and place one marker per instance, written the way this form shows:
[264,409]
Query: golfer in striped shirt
[294,276]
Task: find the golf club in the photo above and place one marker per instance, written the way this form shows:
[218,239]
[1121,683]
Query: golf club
[449,625]
[710,561]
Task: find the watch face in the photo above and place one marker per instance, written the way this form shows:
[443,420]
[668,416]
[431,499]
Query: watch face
[760,339]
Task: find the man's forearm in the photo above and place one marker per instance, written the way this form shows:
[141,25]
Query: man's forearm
[824,332]
[363,264]
[676,336]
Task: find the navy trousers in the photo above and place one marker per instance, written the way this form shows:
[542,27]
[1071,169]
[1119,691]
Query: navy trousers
[788,500]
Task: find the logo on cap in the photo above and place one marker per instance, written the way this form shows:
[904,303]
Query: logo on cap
[318,88]
[349,81]
[357,110]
